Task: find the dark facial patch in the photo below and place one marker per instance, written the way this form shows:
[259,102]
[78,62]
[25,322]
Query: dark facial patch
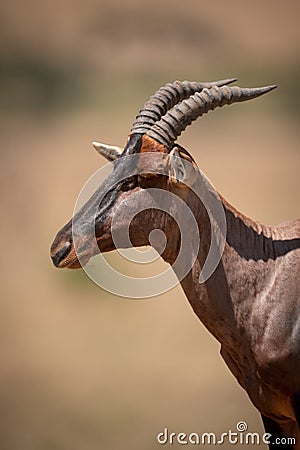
[133,145]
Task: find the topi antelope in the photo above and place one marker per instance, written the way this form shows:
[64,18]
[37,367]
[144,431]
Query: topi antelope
[251,301]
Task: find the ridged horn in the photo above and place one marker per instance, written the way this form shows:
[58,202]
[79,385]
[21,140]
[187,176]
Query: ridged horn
[110,152]
[175,121]
[165,98]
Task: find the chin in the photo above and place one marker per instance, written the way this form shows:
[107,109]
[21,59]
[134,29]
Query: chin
[75,265]
[75,262]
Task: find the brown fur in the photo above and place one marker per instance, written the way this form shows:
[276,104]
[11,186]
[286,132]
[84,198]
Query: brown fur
[150,145]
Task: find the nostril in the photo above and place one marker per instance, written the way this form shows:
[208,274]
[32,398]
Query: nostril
[61,254]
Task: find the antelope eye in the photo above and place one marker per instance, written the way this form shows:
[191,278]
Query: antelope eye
[129,183]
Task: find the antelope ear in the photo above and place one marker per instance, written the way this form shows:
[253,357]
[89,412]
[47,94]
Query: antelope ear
[182,172]
[110,152]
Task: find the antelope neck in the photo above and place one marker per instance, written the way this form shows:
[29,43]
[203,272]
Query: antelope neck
[250,255]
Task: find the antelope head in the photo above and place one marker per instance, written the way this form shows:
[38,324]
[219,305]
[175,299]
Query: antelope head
[154,132]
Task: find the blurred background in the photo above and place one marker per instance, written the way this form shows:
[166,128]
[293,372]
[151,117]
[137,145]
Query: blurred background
[82,369]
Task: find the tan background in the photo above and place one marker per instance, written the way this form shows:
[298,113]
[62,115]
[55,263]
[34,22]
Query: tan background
[81,369]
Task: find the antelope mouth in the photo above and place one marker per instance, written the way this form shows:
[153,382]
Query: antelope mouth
[67,257]
[60,256]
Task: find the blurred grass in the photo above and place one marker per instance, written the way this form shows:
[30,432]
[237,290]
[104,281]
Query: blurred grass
[35,85]
[41,86]
[113,55]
